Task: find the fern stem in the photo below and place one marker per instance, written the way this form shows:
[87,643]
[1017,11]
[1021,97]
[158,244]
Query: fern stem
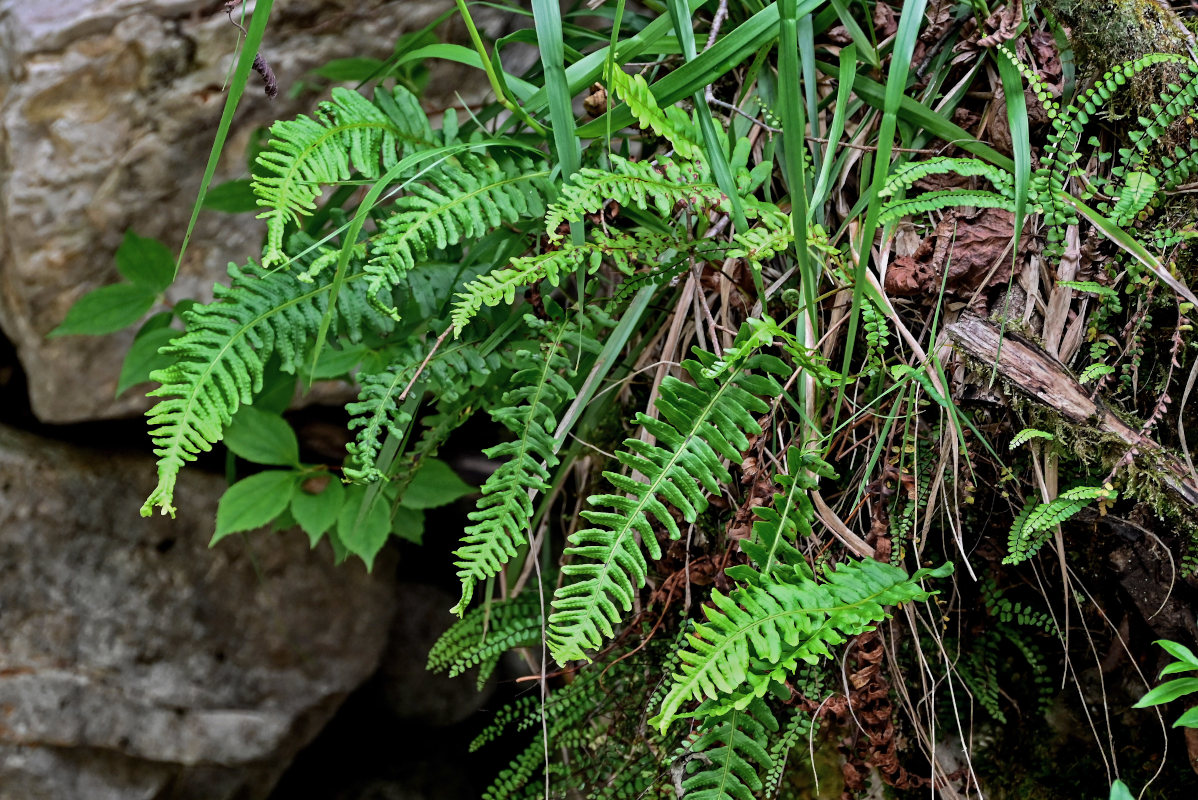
[488,67]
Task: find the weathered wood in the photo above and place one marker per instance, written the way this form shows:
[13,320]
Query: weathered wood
[1040,376]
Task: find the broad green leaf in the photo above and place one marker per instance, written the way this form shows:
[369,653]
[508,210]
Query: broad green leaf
[434,485]
[231,197]
[278,389]
[408,524]
[105,310]
[143,357]
[316,512]
[1188,719]
[364,531]
[337,363]
[1179,651]
[262,437]
[1168,692]
[145,262]
[253,502]
[1119,791]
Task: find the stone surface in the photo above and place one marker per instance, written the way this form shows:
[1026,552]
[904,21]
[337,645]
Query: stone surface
[412,692]
[137,663]
[108,109]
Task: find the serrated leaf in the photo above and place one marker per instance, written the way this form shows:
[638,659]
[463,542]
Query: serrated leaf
[105,310]
[145,262]
[436,484]
[253,502]
[316,512]
[262,437]
[143,357]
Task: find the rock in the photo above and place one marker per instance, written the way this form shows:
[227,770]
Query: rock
[108,109]
[411,691]
[137,663]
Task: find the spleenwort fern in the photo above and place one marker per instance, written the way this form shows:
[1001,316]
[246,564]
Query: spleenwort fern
[485,634]
[529,410]
[671,123]
[220,359]
[757,635]
[1036,522]
[700,425]
[349,135]
[729,753]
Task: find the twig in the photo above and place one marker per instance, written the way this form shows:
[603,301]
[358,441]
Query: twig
[404,394]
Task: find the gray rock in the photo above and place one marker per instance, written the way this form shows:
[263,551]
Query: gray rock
[108,109]
[135,662]
[411,691]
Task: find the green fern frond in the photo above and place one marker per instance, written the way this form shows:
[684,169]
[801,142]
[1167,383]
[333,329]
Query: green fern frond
[758,634]
[792,513]
[700,425]
[945,198]
[798,727]
[529,410]
[907,175]
[1026,435]
[1035,524]
[219,359]
[726,755]
[452,371]
[348,135]
[485,634]
[671,124]
[462,199]
[664,186]
[1138,190]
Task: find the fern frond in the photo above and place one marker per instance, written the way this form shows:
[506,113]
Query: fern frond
[1026,435]
[700,425]
[792,513]
[529,410]
[798,727]
[644,185]
[728,752]
[219,359]
[907,175]
[1034,525]
[945,198]
[485,634]
[452,371]
[348,134]
[758,634]
[672,123]
[461,199]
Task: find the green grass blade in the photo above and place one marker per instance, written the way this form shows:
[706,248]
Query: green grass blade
[860,40]
[249,50]
[1021,143]
[844,89]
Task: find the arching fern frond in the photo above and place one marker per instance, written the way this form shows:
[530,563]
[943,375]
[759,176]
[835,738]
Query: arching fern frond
[485,634]
[700,425]
[541,386]
[348,134]
[452,371]
[1035,524]
[462,199]
[727,754]
[757,635]
[642,184]
[945,198]
[907,175]
[219,359]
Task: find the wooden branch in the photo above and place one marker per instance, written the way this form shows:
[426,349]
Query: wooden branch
[1044,379]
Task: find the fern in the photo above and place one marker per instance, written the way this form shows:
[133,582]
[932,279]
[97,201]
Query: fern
[945,198]
[451,371]
[461,199]
[348,134]
[792,513]
[485,634]
[1035,524]
[219,359]
[798,727]
[671,124]
[907,175]
[758,634]
[700,425]
[665,186]
[1026,435]
[728,752]
[541,387]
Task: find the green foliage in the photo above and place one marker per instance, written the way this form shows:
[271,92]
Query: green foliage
[1037,521]
[1169,691]
[700,424]
[483,635]
[726,755]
